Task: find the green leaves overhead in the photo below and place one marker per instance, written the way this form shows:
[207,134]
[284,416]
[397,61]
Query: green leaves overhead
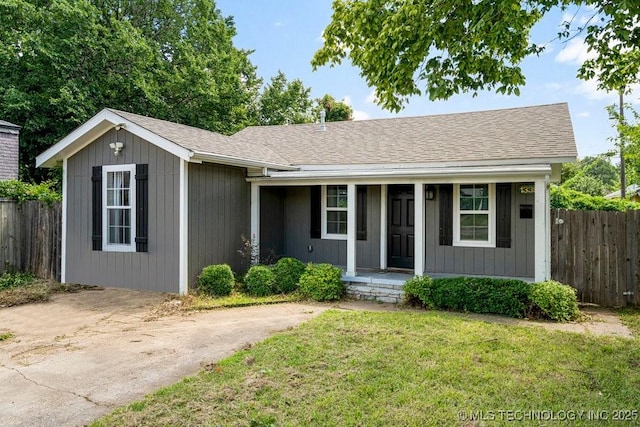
[444,47]
[63,61]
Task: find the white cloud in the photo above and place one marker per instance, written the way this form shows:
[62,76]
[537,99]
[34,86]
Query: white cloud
[584,114]
[278,24]
[371,98]
[575,52]
[589,89]
[347,100]
[360,115]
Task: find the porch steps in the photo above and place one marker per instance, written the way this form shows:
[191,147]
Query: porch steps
[374,291]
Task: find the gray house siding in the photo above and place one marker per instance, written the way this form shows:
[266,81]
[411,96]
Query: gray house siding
[9,135]
[219,200]
[156,269]
[288,209]
[516,261]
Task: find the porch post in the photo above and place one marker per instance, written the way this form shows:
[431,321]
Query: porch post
[351,230]
[541,231]
[418,238]
[383,226]
[255,216]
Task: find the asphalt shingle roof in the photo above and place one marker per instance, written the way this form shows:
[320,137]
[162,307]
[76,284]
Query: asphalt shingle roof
[538,132]
[205,141]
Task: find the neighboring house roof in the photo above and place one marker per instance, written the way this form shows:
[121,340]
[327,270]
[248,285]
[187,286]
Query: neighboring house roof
[632,189]
[7,125]
[538,133]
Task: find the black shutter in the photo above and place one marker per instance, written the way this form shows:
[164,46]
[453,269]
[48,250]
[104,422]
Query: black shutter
[361,213]
[445,195]
[96,208]
[503,215]
[142,207]
[316,212]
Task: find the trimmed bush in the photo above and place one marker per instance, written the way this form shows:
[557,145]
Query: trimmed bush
[555,300]
[288,272]
[322,282]
[216,280]
[260,281]
[417,291]
[476,294]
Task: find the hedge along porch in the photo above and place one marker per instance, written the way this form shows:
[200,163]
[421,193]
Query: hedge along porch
[457,193]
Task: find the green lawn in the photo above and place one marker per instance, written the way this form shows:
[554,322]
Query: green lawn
[430,368]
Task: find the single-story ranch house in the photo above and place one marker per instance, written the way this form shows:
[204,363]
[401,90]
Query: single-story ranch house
[148,203]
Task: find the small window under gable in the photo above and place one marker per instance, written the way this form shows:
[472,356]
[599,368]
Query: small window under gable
[119,208]
[474,215]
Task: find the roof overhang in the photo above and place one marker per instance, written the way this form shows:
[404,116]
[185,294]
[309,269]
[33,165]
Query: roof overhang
[97,126]
[464,174]
[199,156]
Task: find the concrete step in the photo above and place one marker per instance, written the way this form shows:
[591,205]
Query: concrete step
[375,292]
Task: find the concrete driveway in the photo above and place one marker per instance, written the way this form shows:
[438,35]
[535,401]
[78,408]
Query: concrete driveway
[78,357]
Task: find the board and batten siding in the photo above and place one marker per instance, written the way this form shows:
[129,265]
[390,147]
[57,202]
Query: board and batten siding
[219,215]
[295,207]
[516,261]
[156,269]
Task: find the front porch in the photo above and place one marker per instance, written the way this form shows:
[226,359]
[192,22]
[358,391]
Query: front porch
[372,229]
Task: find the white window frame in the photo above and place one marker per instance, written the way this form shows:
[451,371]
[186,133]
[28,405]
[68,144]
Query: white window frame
[325,209]
[106,246]
[491,243]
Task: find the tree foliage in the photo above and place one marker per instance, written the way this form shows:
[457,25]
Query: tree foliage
[336,111]
[593,175]
[629,140]
[284,102]
[564,198]
[454,46]
[62,61]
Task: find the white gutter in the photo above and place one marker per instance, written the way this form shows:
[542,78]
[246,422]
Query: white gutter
[439,172]
[237,161]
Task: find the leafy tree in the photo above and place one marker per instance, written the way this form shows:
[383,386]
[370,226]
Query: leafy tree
[593,175]
[457,46]
[629,130]
[336,111]
[61,61]
[564,198]
[283,102]
[586,184]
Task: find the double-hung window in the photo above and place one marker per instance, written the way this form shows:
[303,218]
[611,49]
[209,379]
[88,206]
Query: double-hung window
[474,215]
[119,195]
[334,212]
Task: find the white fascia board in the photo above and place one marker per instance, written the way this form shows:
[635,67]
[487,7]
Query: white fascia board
[95,127]
[236,161]
[481,163]
[519,173]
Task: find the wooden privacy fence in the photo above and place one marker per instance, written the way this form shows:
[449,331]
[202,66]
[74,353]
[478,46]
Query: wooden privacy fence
[598,253]
[30,237]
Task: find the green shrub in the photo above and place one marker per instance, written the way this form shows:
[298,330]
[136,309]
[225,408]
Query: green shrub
[260,281]
[555,300]
[475,294]
[216,280]
[564,198]
[22,191]
[417,291]
[15,280]
[322,282]
[288,272]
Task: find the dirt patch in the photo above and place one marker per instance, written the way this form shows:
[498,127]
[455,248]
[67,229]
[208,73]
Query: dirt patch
[82,354]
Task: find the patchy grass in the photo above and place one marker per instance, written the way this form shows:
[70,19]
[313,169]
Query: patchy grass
[34,291]
[200,302]
[4,336]
[399,368]
[631,317]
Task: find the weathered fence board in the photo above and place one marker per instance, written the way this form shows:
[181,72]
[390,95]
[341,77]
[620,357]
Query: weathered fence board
[598,253]
[30,238]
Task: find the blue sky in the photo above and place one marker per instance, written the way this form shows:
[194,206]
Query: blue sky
[285,34]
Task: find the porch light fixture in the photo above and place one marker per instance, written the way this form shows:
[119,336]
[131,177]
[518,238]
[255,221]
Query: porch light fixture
[117,147]
[430,194]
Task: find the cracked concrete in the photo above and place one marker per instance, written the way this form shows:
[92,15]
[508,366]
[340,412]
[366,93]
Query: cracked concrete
[82,355]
